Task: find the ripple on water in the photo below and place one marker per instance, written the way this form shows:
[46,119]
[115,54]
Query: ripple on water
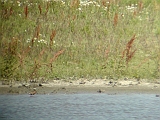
[80,107]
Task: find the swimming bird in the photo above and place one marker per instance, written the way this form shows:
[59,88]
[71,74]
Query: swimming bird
[33,92]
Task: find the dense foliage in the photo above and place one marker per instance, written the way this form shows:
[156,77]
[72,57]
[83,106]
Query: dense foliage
[57,39]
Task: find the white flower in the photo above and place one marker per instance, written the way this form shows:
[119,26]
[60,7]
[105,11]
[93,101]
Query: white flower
[122,15]
[105,8]
[63,3]
[140,18]
[79,9]
[28,40]
[98,5]
[35,38]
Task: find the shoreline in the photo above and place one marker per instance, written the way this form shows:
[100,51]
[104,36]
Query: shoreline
[111,87]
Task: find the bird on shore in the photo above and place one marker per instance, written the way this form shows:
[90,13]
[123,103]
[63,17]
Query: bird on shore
[33,92]
[99,91]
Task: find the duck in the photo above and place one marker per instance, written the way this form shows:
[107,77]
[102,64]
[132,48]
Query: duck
[33,92]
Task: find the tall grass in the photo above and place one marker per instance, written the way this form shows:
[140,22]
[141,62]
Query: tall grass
[103,39]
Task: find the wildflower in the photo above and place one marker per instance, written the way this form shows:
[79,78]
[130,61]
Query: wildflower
[35,38]
[28,40]
[140,18]
[79,9]
[98,5]
[63,3]
[122,15]
[45,42]
[105,8]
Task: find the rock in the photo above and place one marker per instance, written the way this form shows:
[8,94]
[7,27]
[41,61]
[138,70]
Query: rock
[63,88]
[33,81]
[99,91]
[110,82]
[26,84]
[158,82]
[155,86]
[82,82]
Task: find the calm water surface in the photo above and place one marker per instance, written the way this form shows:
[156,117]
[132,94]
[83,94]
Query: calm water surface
[80,107]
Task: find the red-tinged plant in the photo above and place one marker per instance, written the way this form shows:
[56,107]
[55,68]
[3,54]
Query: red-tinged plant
[107,52]
[41,53]
[53,34]
[74,3]
[6,13]
[74,17]
[36,66]
[47,8]
[140,5]
[23,55]
[134,13]
[142,62]
[36,34]
[127,52]
[55,57]
[26,11]
[104,3]
[115,22]
[11,11]
[40,9]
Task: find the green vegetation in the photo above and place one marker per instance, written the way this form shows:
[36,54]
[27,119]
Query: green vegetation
[75,39]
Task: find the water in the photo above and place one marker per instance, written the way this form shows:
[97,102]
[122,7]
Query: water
[80,107]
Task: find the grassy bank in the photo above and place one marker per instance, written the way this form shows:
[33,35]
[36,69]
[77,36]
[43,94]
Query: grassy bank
[75,39]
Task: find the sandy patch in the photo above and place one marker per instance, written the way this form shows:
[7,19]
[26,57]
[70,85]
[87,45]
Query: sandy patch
[82,86]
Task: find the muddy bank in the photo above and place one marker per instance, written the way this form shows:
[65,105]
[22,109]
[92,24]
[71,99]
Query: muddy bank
[82,86]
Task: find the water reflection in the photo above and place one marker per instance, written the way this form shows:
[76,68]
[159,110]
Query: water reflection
[80,107]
